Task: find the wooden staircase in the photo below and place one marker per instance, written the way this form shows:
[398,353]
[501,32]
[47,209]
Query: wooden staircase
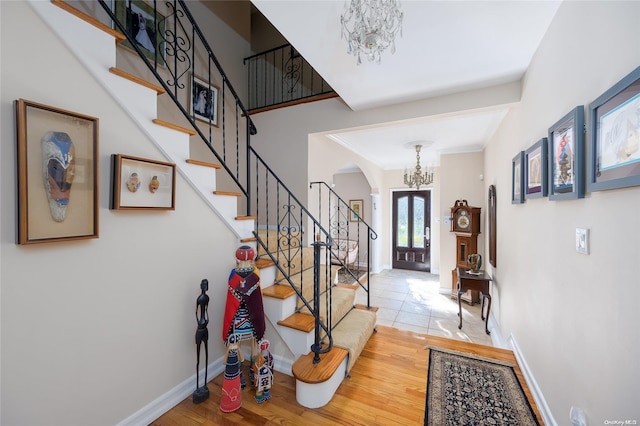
[290,317]
[316,383]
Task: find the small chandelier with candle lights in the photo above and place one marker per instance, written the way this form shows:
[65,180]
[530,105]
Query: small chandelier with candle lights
[417,177]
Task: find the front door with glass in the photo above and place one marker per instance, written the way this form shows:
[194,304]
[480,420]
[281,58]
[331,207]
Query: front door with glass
[412,230]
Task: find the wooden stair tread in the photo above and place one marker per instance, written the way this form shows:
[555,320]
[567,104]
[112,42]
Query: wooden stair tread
[89,19]
[204,163]
[278,291]
[306,371]
[302,322]
[262,263]
[174,126]
[233,194]
[246,217]
[364,308]
[131,77]
[249,240]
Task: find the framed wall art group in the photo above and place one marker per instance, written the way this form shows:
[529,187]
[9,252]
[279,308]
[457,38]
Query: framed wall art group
[57,168]
[555,166]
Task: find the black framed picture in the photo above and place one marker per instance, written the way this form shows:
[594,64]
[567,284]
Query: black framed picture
[535,171]
[204,101]
[146,25]
[614,136]
[517,179]
[493,206]
[566,156]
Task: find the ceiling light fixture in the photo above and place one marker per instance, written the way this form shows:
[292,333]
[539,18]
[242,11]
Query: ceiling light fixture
[416,177]
[370,26]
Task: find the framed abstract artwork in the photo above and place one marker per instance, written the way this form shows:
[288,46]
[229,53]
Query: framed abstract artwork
[535,170]
[613,159]
[57,174]
[517,179]
[142,184]
[566,156]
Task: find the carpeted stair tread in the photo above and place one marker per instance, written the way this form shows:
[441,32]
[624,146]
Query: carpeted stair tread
[342,302]
[278,291]
[354,332]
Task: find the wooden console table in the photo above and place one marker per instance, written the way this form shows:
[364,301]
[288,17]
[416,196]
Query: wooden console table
[480,283]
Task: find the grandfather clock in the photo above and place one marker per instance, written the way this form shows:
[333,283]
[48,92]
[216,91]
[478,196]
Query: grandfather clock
[465,223]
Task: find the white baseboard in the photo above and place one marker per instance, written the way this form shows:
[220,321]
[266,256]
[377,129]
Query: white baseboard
[545,412]
[170,399]
[175,396]
[497,338]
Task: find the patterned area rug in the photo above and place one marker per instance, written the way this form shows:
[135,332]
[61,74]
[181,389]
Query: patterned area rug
[344,277]
[463,389]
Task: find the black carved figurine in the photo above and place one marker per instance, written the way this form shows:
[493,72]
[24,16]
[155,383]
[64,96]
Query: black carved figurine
[202,338]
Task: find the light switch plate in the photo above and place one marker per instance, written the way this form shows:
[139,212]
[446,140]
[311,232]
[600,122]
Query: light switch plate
[582,240]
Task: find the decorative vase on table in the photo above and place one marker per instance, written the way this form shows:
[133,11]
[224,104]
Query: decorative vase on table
[475,262]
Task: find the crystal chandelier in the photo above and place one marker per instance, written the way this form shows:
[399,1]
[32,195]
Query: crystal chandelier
[370,26]
[417,177]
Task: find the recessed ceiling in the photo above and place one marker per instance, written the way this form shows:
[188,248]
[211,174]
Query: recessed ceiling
[446,47]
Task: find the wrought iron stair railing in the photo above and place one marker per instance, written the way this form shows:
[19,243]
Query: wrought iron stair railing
[177,55]
[346,225]
[281,76]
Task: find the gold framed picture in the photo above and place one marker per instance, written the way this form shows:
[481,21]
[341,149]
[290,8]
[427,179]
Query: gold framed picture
[57,174]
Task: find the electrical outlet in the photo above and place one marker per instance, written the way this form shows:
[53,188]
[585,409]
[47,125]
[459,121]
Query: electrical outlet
[582,240]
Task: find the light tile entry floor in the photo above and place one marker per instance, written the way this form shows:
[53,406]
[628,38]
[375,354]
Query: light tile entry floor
[414,301]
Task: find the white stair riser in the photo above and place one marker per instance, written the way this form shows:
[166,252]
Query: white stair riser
[299,342]
[267,275]
[278,309]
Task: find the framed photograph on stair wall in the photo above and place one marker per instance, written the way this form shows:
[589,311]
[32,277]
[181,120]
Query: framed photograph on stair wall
[143,24]
[204,100]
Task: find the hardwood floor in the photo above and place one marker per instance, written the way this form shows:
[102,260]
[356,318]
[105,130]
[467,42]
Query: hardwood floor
[387,387]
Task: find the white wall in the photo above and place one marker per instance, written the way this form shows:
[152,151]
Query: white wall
[94,330]
[574,316]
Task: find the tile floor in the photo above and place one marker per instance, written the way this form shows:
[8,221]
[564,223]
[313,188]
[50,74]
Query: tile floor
[411,300]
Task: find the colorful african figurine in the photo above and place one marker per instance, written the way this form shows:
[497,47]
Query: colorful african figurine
[263,370]
[231,391]
[58,169]
[244,312]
